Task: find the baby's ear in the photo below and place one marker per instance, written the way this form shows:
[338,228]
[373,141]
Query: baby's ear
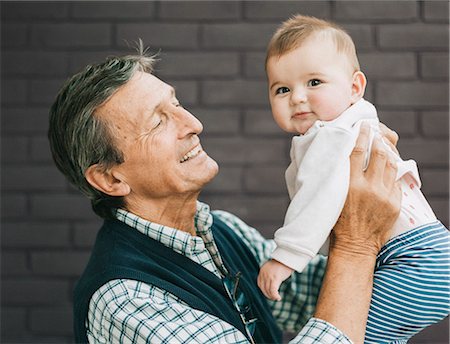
[359,83]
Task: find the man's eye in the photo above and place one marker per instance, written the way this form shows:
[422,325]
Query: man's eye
[314,82]
[282,90]
[157,124]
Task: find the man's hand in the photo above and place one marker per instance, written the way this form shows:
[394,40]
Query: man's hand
[373,200]
[370,210]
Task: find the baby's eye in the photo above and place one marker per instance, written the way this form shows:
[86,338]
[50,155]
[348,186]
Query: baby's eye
[314,82]
[282,90]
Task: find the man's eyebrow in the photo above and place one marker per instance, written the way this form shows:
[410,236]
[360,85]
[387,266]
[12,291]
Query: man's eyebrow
[172,95]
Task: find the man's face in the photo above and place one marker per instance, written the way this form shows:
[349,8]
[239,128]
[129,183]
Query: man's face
[159,140]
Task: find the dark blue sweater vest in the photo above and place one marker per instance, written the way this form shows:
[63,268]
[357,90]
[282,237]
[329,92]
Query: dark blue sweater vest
[121,252]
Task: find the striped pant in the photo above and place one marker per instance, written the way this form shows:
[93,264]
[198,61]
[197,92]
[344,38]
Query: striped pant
[411,284]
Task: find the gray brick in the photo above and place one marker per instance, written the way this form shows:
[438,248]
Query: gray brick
[254,65]
[59,263]
[43,91]
[362,35]
[262,151]
[52,321]
[413,36]
[249,209]
[435,124]
[261,122]
[40,150]
[369,93]
[436,10]
[187,91]
[71,35]
[14,263]
[14,149]
[436,334]
[13,321]
[282,10]
[388,65]
[225,150]
[78,60]
[434,182]
[249,151]
[13,34]
[33,292]
[23,178]
[86,232]
[27,63]
[14,91]
[204,64]
[35,235]
[239,92]
[239,35]
[227,181]
[403,122]
[114,9]
[163,35]
[440,207]
[35,10]
[434,65]
[61,206]
[217,121]
[24,120]
[200,10]
[265,179]
[425,152]
[13,206]
[376,10]
[412,94]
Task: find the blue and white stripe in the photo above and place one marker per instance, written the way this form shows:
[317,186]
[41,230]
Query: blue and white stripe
[411,284]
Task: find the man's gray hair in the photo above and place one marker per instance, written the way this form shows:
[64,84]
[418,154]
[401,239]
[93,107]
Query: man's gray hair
[78,138]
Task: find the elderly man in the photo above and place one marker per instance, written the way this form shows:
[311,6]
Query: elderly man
[167,269]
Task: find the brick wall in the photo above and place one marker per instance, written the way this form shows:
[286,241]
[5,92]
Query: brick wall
[213,53]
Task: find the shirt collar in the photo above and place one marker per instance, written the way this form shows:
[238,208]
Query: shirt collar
[177,240]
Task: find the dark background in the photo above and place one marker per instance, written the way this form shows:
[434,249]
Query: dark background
[213,52]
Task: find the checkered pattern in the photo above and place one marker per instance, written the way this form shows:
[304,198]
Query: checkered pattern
[128,311]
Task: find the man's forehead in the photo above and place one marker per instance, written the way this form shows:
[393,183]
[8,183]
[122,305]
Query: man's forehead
[142,90]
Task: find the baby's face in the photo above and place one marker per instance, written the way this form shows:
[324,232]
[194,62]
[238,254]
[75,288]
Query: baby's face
[312,82]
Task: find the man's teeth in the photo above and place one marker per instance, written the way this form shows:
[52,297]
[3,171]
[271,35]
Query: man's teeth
[191,154]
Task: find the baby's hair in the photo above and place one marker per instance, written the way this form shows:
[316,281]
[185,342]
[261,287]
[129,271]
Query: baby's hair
[296,30]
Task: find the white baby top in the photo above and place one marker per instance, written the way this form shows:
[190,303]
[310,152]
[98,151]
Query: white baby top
[318,180]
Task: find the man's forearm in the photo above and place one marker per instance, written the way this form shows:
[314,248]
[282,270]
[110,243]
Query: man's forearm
[346,291]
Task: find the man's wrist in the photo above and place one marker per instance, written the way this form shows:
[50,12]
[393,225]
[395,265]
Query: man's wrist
[346,291]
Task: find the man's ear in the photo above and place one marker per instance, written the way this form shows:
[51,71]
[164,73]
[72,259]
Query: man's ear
[358,86]
[106,181]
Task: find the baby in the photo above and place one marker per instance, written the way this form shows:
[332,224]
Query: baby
[316,90]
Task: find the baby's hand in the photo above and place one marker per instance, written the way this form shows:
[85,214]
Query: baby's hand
[270,277]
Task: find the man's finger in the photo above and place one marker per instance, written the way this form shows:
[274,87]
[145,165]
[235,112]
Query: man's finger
[390,137]
[390,173]
[358,156]
[377,163]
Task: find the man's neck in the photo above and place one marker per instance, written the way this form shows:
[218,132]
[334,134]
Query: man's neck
[178,213]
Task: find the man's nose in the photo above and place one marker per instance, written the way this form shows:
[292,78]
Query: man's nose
[298,96]
[187,123]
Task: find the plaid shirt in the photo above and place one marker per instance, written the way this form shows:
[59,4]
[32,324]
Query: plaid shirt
[129,311]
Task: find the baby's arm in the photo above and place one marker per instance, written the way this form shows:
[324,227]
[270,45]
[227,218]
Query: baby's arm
[270,277]
[320,185]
